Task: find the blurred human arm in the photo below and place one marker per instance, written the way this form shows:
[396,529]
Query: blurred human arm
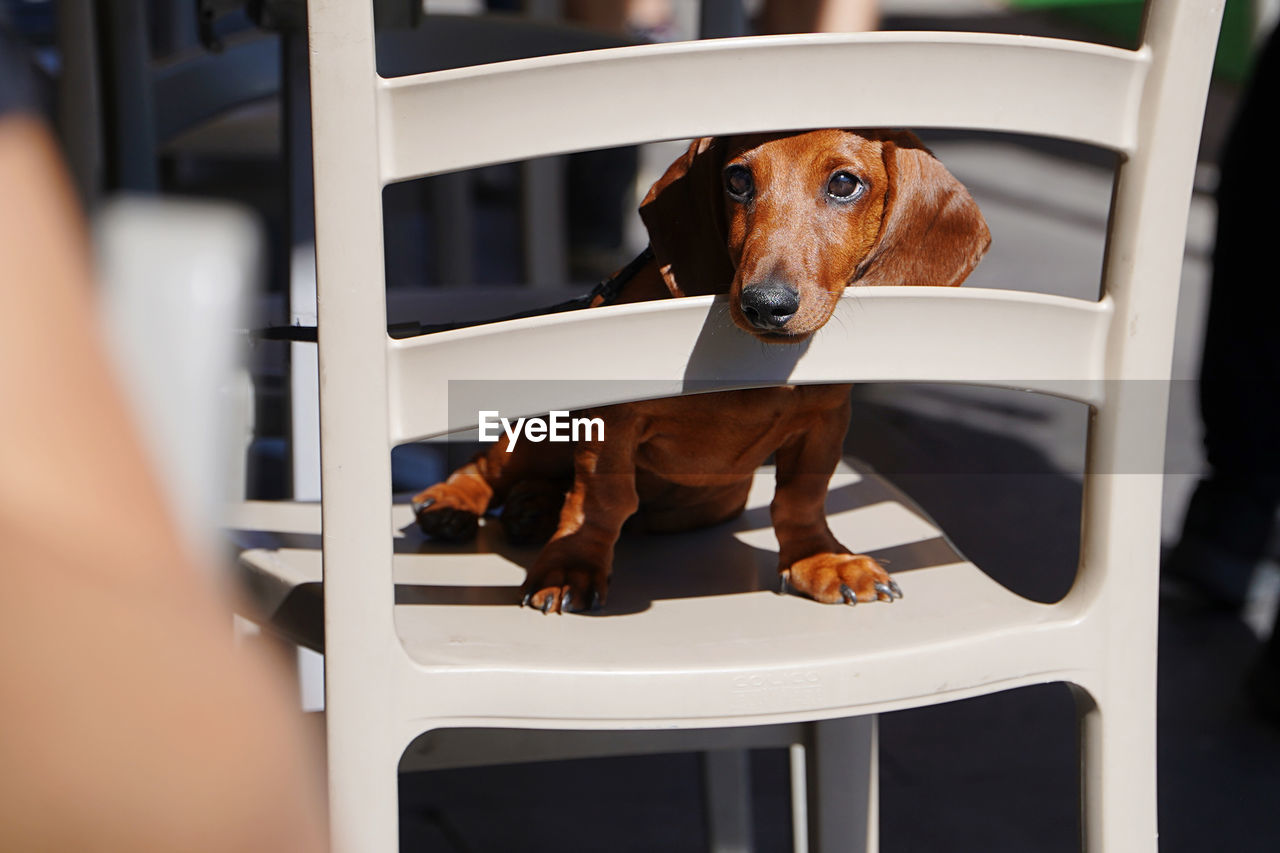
[130,720]
[819,16]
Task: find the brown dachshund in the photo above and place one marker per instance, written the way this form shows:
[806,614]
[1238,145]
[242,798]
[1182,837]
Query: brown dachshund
[782,223]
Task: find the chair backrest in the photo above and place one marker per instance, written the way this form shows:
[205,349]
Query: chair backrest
[1146,104]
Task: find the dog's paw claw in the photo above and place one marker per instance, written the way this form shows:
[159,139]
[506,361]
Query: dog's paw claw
[447,514]
[835,578]
[569,602]
[565,595]
[566,586]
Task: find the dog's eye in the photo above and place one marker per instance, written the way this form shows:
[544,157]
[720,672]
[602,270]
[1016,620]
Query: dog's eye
[844,187]
[739,183]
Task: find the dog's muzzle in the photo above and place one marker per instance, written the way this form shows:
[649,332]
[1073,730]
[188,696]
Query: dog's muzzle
[768,306]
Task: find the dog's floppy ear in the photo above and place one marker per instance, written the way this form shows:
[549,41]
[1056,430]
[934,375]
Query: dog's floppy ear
[684,214]
[932,231]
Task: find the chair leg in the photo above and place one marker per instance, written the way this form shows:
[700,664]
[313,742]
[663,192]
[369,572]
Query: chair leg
[545,222]
[364,794]
[1118,769]
[726,776]
[841,773]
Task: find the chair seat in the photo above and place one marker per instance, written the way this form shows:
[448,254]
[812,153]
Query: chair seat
[698,613]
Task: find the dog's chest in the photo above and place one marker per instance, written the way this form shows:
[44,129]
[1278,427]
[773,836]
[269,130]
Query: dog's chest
[729,432]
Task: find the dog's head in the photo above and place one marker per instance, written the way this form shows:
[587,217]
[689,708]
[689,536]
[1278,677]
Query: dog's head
[784,222]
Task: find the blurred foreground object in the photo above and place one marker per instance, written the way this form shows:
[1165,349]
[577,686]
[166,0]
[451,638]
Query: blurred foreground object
[131,722]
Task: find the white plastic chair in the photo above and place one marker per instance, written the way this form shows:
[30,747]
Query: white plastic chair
[421,638]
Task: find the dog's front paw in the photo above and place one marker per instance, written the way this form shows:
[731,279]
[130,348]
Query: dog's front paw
[445,515]
[565,587]
[840,578]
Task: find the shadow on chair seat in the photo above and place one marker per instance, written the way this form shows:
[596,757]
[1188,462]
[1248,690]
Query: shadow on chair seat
[687,602]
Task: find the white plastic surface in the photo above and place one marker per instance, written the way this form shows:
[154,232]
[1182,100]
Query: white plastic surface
[996,337]
[598,99]
[706,650]
[690,629]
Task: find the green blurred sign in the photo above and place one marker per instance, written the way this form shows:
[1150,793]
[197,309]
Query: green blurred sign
[1123,17]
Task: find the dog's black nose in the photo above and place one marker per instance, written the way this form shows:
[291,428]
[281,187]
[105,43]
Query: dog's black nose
[770,305]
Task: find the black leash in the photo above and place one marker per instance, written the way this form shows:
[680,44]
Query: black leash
[606,291]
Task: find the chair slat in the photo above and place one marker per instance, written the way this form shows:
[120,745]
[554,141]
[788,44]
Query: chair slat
[550,105]
[567,361]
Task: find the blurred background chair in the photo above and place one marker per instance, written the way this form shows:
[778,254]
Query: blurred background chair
[179,278]
[143,86]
